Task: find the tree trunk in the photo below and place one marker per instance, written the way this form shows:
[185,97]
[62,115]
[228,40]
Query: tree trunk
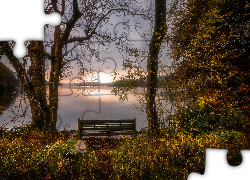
[35,86]
[152,65]
[56,64]
[37,95]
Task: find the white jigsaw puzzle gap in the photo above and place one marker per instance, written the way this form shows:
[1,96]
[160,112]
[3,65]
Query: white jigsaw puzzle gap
[217,167]
[27,21]
[28,24]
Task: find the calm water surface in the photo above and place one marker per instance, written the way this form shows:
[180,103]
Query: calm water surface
[85,103]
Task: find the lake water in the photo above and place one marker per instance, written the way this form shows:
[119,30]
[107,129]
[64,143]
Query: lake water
[90,103]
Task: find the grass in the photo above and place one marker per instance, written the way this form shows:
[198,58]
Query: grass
[34,155]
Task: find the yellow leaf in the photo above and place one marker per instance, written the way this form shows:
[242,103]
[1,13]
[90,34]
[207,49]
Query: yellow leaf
[59,163]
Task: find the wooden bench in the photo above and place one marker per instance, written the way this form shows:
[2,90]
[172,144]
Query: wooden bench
[106,127]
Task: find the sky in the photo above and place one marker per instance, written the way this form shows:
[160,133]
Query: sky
[126,31]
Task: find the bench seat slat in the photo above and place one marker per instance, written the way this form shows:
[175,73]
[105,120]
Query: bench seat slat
[106,134]
[115,131]
[106,127]
[105,121]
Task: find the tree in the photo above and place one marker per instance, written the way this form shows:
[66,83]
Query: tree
[7,79]
[90,14]
[137,75]
[152,64]
[210,48]
[8,84]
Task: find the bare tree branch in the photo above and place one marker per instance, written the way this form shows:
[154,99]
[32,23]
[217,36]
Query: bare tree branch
[102,36]
[70,25]
[63,7]
[81,39]
[55,6]
[48,9]
[16,64]
[47,55]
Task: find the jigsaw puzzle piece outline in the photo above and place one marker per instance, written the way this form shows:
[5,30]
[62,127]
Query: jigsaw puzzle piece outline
[112,71]
[99,111]
[99,71]
[98,81]
[217,166]
[27,24]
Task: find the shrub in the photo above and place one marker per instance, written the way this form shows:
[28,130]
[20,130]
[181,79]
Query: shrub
[169,156]
[172,156]
[33,154]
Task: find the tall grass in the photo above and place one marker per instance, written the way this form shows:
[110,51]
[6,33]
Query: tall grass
[171,156]
[30,154]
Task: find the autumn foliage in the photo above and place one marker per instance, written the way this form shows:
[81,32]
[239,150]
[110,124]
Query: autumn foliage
[210,49]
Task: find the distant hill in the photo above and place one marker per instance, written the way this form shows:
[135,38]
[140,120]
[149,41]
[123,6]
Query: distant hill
[7,78]
[140,82]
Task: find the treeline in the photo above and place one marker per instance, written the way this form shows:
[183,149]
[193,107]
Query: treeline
[7,79]
[142,82]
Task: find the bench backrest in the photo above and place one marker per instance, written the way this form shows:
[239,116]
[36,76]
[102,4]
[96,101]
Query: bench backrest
[106,127]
